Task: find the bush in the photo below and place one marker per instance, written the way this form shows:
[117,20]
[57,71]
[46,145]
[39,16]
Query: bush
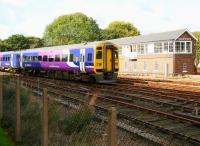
[75,122]
[31,124]
[8,120]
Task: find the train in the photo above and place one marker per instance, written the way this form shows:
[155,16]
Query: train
[93,61]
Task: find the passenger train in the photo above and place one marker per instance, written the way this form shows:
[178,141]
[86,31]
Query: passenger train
[95,61]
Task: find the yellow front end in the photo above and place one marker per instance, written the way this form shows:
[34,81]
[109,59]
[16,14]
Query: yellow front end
[106,62]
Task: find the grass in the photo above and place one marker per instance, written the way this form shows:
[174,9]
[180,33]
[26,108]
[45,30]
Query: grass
[4,139]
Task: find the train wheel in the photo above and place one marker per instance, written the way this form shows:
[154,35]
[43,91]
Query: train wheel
[92,79]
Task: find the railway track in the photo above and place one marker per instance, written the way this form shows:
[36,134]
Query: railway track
[140,117]
[166,84]
[146,80]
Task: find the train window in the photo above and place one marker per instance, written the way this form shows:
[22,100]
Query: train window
[116,54]
[32,58]
[57,58]
[35,58]
[51,59]
[99,55]
[64,58]
[29,58]
[89,57]
[99,48]
[24,58]
[72,58]
[45,58]
[39,58]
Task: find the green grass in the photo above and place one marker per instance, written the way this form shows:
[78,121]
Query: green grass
[4,139]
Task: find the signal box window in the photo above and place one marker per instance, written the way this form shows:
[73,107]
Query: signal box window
[57,58]
[166,46]
[188,47]
[89,56]
[171,47]
[45,58]
[158,47]
[178,47]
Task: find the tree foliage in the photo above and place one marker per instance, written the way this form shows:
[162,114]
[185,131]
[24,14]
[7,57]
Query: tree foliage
[119,29]
[17,42]
[72,28]
[35,42]
[197,59]
[4,46]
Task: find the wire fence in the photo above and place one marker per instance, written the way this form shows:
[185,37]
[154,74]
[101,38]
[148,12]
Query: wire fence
[36,117]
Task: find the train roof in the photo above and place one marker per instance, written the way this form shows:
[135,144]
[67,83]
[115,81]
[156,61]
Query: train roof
[72,46]
[61,47]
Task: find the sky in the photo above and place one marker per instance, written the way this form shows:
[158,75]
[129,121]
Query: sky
[30,17]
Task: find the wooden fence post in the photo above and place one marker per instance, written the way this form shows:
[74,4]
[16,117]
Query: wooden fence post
[45,118]
[18,118]
[112,127]
[1,97]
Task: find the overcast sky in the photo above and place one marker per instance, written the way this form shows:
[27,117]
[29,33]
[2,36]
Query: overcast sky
[30,17]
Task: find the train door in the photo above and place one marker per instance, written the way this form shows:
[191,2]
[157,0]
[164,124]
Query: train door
[12,60]
[18,60]
[21,60]
[82,60]
[109,59]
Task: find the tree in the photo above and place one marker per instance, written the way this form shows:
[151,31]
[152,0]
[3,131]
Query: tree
[35,42]
[119,29]
[17,42]
[197,58]
[4,46]
[72,28]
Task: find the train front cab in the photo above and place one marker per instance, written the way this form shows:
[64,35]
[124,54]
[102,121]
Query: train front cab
[106,64]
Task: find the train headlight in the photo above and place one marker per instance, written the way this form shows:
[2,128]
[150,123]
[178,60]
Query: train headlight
[99,64]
